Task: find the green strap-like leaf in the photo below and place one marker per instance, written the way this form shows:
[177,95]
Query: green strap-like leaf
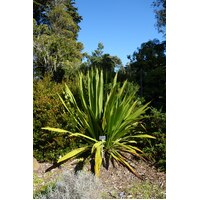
[101,95]
[84,136]
[128,148]
[118,157]
[144,136]
[98,160]
[72,153]
[82,94]
[58,130]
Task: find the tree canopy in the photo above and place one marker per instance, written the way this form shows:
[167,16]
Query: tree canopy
[56,49]
[102,60]
[41,8]
[147,67]
[160,14]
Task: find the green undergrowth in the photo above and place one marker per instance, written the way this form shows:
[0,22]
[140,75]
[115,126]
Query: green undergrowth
[147,190]
[40,185]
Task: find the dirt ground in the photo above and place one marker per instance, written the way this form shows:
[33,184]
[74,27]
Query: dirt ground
[116,180]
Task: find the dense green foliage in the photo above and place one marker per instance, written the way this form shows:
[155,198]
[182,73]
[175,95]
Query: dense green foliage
[49,111]
[56,49]
[41,8]
[115,116]
[160,14]
[147,68]
[155,150]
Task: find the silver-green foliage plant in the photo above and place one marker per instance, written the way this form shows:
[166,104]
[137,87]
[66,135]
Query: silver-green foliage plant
[115,116]
[82,185]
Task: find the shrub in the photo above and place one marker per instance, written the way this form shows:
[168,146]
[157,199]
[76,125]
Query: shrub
[73,186]
[107,123]
[155,150]
[49,111]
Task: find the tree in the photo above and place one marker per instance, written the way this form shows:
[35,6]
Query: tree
[148,68]
[160,14]
[102,61]
[41,8]
[73,11]
[56,49]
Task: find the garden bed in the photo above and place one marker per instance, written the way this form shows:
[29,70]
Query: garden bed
[117,181]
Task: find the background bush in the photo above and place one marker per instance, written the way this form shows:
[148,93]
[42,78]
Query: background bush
[48,111]
[155,150]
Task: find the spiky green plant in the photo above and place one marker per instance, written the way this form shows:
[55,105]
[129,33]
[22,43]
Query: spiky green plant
[115,115]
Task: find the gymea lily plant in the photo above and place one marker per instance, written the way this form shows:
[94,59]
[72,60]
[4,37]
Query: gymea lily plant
[107,122]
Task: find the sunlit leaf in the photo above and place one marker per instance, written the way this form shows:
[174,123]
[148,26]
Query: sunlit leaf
[73,153]
[98,160]
[118,157]
[55,129]
[144,136]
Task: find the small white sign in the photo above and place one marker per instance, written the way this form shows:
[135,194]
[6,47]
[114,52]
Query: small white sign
[102,137]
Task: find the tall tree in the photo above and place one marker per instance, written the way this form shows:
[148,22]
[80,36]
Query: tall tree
[56,49]
[160,13]
[148,68]
[41,8]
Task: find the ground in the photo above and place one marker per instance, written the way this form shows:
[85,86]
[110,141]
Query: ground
[118,182]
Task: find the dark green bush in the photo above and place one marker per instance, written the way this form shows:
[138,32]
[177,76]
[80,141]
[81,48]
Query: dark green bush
[48,111]
[155,150]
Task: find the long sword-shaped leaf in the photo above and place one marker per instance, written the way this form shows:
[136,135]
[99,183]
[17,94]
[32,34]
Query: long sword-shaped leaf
[144,136]
[58,130]
[119,158]
[98,160]
[72,153]
[96,95]
[101,95]
[84,136]
[130,149]
[82,94]
[109,103]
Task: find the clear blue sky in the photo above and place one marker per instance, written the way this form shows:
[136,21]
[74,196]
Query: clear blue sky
[121,25]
